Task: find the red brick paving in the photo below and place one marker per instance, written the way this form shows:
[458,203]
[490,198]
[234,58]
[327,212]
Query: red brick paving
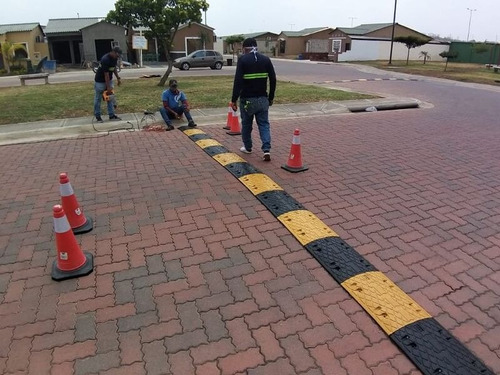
[194,276]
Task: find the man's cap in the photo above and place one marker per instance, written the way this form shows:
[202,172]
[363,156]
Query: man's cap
[117,50]
[249,42]
[172,83]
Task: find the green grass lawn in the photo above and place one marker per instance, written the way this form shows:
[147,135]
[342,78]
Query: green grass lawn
[463,72]
[67,100]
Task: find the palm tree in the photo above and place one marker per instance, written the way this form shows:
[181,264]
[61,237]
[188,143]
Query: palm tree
[425,55]
[9,52]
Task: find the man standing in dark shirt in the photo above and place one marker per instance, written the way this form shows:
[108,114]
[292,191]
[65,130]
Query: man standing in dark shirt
[104,82]
[250,85]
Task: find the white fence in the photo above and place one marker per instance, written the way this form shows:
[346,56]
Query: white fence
[364,50]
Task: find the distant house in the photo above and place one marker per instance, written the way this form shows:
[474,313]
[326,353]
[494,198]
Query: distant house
[373,41]
[73,40]
[30,35]
[311,40]
[189,38]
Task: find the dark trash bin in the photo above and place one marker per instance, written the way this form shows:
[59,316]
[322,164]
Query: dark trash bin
[229,62]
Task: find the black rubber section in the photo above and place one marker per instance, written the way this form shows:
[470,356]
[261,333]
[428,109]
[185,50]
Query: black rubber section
[385,107]
[435,351]
[241,169]
[338,258]
[279,202]
[199,137]
[215,150]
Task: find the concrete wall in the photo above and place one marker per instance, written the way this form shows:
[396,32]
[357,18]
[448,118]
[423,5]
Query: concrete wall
[365,50]
[188,39]
[102,30]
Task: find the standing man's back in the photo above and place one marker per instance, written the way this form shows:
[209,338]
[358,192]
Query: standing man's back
[250,85]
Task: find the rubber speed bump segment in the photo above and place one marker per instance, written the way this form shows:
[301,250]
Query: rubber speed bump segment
[387,304]
[259,183]
[305,226]
[435,351]
[339,259]
[431,347]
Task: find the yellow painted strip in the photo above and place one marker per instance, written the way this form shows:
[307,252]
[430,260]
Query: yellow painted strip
[229,158]
[306,226]
[391,308]
[258,183]
[190,132]
[204,143]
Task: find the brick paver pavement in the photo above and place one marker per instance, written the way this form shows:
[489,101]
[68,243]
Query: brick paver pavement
[194,276]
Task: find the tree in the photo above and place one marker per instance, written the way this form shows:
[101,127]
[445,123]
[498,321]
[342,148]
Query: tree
[161,18]
[234,39]
[425,55]
[9,52]
[410,42]
[448,55]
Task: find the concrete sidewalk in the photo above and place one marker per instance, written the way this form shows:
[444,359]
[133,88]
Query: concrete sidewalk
[73,127]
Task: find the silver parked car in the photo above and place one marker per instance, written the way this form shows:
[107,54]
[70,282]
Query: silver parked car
[203,58]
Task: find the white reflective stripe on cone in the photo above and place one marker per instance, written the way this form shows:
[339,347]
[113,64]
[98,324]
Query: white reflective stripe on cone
[296,140]
[66,189]
[61,224]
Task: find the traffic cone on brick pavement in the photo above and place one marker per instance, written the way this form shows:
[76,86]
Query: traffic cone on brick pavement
[79,223]
[294,163]
[71,260]
[229,117]
[235,124]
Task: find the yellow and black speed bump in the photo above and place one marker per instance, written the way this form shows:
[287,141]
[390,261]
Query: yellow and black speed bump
[338,258]
[436,351]
[433,349]
[279,202]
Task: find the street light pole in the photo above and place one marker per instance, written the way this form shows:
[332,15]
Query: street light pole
[393,28]
[470,19]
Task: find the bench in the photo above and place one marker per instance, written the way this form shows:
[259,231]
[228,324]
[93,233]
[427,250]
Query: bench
[45,76]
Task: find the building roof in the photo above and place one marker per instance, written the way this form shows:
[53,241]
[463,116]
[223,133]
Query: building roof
[18,27]
[364,29]
[304,32]
[69,25]
[256,35]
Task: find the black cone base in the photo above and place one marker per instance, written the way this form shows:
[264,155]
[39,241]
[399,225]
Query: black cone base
[87,227]
[294,170]
[233,133]
[87,268]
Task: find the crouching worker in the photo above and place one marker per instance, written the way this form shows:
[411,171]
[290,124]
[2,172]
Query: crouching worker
[175,104]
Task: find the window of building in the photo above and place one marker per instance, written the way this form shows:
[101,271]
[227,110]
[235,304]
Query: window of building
[21,53]
[348,46]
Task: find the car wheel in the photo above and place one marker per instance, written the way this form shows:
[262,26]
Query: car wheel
[185,66]
[218,65]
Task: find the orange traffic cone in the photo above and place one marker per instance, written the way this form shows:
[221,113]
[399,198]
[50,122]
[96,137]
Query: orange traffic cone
[71,260]
[235,124]
[79,223]
[294,163]
[229,117]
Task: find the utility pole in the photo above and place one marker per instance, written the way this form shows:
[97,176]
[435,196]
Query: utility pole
[352,19]
[470,20]
[291,26]
[393,28]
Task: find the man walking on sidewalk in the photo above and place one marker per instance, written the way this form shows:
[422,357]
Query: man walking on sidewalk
[250,85]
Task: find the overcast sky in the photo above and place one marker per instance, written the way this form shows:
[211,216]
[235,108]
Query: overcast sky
[443,17]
